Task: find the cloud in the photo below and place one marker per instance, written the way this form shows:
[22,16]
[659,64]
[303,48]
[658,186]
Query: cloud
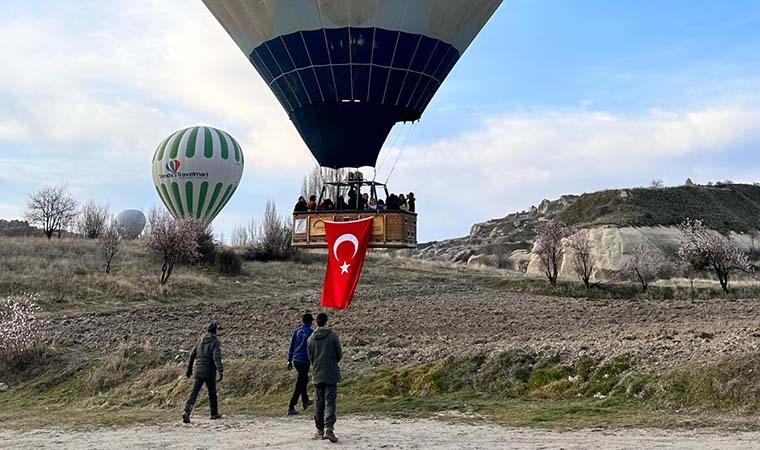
[515,159]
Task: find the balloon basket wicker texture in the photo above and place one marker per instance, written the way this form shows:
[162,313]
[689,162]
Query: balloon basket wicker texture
[390,229]
[196,171]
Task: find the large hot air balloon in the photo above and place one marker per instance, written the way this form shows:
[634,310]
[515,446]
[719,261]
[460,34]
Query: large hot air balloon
[346,71]
[196,171]
[130,223]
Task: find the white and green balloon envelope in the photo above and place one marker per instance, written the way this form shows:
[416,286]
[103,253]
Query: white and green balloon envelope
[196,171]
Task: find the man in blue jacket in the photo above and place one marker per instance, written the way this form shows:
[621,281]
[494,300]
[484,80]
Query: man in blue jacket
[298,357]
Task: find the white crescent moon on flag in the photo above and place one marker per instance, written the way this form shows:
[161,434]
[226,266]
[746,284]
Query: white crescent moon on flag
[346,238]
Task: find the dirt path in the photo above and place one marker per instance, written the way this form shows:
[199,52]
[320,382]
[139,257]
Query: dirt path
[368,433]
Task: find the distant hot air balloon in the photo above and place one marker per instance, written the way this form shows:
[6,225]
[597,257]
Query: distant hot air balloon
[346,71]
[196,171]
[130,223]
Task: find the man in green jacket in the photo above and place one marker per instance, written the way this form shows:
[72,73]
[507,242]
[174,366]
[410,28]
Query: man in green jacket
[207,356]
[324,354]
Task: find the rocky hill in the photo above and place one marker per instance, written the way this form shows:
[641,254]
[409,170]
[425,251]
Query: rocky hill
[616,221]
[17,228]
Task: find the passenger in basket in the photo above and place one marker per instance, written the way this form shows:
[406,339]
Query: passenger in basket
[340,205]
[402,202]
[311,205]
[326,205]
[380,205]
[391,203]
[301,205]
[363,200]
[410,200]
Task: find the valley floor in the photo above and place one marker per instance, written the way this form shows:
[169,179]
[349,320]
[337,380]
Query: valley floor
[368,433]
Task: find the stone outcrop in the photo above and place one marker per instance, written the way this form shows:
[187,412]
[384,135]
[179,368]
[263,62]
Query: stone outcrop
[616,221]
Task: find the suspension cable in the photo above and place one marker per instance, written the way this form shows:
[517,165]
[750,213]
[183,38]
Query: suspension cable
[401,152]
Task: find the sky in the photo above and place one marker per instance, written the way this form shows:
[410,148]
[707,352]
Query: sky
[553,97]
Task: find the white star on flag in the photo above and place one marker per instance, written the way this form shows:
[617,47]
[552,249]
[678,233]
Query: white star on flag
[344,267]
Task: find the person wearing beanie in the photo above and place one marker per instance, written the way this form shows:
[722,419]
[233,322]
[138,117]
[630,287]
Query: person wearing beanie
[298,357]
[207,356]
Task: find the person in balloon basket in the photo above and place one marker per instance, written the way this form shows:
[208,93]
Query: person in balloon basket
[301,205]
[207,356]
[298,356]
[311,205]
[325,353]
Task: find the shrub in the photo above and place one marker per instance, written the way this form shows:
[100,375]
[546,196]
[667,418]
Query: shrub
[228,262]
[173,240]
[21,329]
[206,248]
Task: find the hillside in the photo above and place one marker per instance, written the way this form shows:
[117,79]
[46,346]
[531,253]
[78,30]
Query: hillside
[419,338]
[616,218]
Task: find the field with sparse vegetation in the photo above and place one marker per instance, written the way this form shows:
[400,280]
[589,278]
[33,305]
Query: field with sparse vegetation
[420,338]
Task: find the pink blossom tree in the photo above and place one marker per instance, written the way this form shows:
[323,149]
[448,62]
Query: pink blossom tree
[647,263]
[173,240]
[548,247]
[583,260]
[703,248]
[21,328]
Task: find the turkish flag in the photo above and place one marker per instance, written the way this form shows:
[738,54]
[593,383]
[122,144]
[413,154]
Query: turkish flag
[346,248]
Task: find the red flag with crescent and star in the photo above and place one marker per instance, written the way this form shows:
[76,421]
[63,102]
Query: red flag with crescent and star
[347,247]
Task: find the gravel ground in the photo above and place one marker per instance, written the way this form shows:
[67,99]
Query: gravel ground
[368,433]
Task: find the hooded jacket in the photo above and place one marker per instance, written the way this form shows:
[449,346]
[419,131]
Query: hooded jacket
[207,356]
[325,353]
[297,351]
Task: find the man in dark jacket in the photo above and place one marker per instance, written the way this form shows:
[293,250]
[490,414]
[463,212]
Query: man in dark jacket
[298,356]
[325,353]
[207,356]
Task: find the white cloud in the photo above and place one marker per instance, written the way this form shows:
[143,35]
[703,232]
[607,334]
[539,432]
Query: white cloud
[516,159]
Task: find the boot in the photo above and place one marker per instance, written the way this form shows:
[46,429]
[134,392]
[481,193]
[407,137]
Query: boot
[308,403]
[319,435]
[185,417]
[215,416]
[292,412]
[330,435]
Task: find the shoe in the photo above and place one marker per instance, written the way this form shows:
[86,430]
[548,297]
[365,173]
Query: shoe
[319,435]
[330,435]
[308,403]
[215,416]
[185,418]
[292,412]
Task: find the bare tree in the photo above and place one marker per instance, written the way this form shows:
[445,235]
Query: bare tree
[702,248]
[315,181]
[240,237]
[647,263]
[53,208]
[173,240]
[548,247]
[274,237]
[92,220]
[110,239]
[656,184]
[583,260]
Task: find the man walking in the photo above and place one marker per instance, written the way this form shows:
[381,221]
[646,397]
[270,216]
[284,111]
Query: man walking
[298,356]
[207,355]
[325,353]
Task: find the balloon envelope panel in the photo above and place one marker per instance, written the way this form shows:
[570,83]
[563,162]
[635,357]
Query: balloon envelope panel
[196,171]
[347,70]
[130,223]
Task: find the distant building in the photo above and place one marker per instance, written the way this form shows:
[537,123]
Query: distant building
[689,182]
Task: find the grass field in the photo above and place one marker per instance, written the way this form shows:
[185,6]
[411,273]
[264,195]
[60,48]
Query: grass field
[421,339]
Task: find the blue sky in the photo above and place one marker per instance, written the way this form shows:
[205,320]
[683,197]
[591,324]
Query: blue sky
[553,97]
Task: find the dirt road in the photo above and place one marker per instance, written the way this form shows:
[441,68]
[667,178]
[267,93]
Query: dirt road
[367,433]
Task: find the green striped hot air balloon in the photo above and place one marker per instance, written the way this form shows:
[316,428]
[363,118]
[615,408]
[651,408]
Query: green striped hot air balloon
[196,171]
